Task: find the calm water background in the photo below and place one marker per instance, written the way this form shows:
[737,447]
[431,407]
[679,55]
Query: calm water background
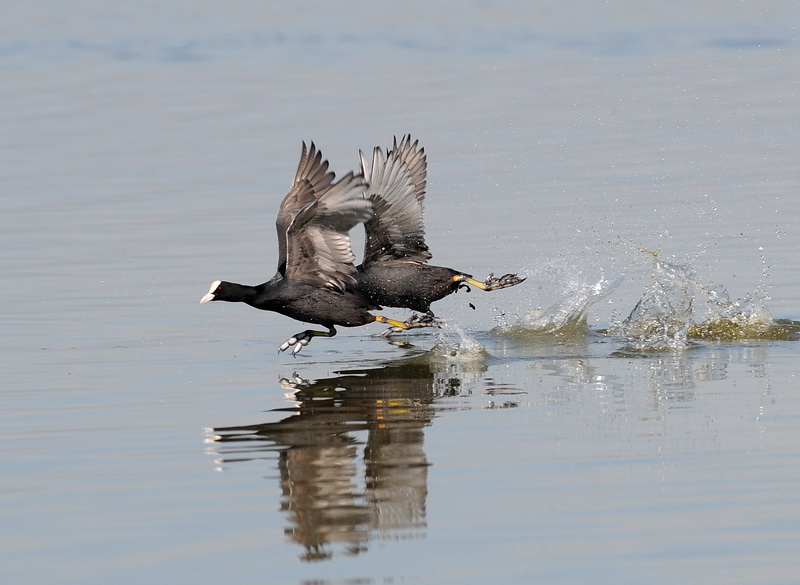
[144,151]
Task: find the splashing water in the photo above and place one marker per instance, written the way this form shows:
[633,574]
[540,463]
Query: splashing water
[454,343]
[660,320]
[664,317]
[568,317]
[742,319]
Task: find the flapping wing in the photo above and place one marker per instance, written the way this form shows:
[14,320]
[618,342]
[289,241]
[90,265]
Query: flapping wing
[318,242]
[397,183]
[415,161]
[310,181]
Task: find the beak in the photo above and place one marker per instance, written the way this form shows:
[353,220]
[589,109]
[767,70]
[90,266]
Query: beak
[208,297]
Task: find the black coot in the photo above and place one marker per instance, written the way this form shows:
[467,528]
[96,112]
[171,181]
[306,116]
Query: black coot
[315,261]
[395,272]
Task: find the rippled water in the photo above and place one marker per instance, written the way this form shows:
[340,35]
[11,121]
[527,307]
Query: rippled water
[627,414]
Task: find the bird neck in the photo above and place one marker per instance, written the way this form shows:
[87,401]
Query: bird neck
[239,293]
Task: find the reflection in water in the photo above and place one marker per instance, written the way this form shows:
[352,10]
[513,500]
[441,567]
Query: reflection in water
[350,454]
[350,450]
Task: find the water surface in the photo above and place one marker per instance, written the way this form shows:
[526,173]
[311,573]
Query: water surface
[628,414]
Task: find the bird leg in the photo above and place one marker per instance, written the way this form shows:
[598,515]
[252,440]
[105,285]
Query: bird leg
[302,339]
[413,322]
[491,282]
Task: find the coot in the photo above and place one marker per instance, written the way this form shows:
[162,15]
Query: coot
[315,260]
[395,272]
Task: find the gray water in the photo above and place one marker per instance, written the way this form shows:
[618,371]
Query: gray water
[637,162]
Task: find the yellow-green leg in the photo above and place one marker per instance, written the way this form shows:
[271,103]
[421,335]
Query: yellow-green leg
[413,322]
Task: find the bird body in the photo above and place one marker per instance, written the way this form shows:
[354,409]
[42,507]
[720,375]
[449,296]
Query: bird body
[300,301]
[407,283]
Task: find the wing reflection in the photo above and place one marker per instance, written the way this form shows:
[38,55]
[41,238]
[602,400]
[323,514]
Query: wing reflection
[350,455]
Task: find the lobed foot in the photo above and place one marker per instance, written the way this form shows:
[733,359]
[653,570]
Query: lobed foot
[415,321]
[302,339]
[427,320]
[297,342]
[504,281]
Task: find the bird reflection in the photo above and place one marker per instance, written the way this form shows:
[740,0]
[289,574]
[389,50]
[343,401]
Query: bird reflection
[350,455]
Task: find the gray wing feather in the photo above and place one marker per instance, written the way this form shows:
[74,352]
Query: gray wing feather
[415,162]
[311,179]
[318,241]
[397,184]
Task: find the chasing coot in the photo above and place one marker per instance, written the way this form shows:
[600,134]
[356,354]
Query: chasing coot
[395,272]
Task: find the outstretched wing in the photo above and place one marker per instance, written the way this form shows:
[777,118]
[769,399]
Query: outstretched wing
[310,181]
[415,161]
[397,191]
[318,242]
